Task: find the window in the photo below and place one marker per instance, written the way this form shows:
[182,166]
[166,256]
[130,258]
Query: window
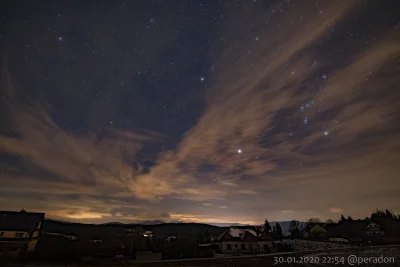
[242,246]
[265,246]
[1,233]
[250,246]
[19,234]
[228,246]
[236,246]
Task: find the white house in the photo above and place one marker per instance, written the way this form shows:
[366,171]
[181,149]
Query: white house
[235,240]
[374,229]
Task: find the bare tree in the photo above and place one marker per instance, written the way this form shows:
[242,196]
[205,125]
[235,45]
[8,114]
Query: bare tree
[314,220]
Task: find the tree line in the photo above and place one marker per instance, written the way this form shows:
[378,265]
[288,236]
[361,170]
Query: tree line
[296,226]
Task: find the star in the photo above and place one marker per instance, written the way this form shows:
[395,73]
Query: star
[239,151]
[59,38]
[326,133]
[324,76]
[257,39]
[201,78]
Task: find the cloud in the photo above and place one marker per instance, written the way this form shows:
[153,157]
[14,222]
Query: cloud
[316,124]
[335,210]
[298,130]
[287,211]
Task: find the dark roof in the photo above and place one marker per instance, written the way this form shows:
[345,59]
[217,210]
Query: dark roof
[20,221]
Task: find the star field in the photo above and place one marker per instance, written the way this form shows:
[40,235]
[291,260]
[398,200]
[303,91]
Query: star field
[206,111]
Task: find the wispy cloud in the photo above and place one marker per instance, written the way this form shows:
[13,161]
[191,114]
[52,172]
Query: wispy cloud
[314,131]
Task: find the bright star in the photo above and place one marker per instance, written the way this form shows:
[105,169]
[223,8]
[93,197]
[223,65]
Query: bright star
[59,38]
[239,151]
[201,78]
[256,38]
[324,76]
[326,133]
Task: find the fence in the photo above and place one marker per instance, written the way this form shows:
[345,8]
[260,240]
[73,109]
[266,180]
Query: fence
[188,255]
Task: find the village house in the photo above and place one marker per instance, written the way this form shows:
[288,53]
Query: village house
[236,240]
[19,233]
[374,229]
[315,230]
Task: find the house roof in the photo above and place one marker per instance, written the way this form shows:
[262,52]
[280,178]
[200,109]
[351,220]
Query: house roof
[236,234]
[310,225]
[20,221]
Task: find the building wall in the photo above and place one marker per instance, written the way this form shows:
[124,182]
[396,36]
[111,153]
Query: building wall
[11,234]
[249,247]
[32,244]
[375,233]
[9,254]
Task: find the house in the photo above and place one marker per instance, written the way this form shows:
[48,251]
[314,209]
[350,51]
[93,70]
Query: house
[171,238]
[315,230]
[365,229]
[374,229]
[148,234]
[236,240]
[19,232]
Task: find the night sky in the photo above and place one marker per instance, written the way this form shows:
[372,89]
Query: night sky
[204,111]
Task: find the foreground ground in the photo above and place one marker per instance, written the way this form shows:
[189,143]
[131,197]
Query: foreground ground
[302,259]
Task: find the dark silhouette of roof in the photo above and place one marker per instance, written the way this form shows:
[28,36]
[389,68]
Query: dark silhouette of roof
[20,221]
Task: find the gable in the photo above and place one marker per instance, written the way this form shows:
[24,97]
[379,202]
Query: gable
[318,228]
[372,225]
[249,237]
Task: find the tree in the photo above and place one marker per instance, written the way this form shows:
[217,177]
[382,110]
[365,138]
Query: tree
[267,227]
[388,214]
[274,231]
[278,229]
[349,219]
[329,221]
[293,225]
[314,220]
[342,219]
